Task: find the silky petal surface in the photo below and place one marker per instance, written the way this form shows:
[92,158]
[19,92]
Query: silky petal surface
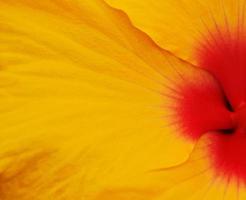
[85,102]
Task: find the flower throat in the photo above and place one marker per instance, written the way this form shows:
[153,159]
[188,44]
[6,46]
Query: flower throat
[219,106]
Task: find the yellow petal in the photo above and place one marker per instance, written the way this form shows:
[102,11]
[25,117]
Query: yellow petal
[179,25]
[84,98]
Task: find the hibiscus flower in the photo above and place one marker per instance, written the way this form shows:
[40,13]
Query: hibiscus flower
[122,100]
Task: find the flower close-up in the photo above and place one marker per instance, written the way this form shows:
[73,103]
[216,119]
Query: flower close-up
[122,100]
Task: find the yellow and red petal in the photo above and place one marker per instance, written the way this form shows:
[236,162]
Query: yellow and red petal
[218,170]
[201,177]
[92,107]
[88,101]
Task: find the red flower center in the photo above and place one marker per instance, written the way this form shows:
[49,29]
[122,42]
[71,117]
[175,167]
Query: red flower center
[217,103]
[240,117]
